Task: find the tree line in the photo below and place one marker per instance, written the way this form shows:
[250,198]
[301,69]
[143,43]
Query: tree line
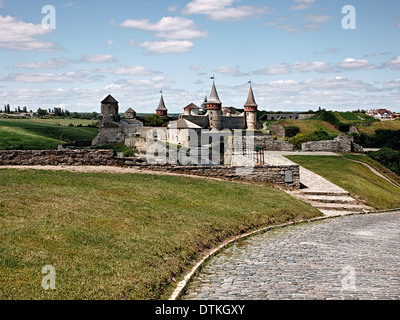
[52,112]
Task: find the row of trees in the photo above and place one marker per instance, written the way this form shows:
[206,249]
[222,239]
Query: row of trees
[55,112]
[7,109]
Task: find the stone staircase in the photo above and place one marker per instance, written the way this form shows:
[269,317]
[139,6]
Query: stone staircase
[331,202]
[322,194]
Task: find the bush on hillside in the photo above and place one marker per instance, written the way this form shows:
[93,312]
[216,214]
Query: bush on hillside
[382,138]
[388,157]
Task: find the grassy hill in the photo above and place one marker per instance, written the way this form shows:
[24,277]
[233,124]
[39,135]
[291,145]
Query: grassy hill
[40,134]
[343,118]
[310,126]
[121,236]
[371,129]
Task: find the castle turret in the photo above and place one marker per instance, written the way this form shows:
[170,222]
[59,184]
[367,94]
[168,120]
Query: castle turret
[250,109]
[109,110]
[162,110]
[214,106]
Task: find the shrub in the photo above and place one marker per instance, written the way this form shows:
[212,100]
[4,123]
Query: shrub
[153,121]
[388,157]
[382,138]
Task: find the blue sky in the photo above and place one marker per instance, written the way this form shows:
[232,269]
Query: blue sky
[296,53]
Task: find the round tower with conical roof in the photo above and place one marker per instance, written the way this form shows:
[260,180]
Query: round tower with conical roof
[250,109]
[162,110]
[214,106]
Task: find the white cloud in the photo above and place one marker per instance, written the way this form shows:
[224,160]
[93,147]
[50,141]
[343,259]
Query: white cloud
[393,64]
[172,28]
[275,70]
[393,84]
[128,71]
[196,67]
[55,63]
[317,66]
[300,24]
[302,4]
[169,46]
[110,42]
[131,43]
[223,10]
[354,64]
[68,5]
[82,76]
[337,83]
[231,71]
[22,36]
[99,58]
[328,51]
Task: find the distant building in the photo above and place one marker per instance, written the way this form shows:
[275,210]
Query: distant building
[381,114]
[130,119]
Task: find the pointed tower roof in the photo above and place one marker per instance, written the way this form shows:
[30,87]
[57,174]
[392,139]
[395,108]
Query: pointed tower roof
[251,102]
[214,95]
[161,105]
[109,99]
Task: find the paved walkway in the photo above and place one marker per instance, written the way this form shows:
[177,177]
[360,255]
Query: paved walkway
[352,257]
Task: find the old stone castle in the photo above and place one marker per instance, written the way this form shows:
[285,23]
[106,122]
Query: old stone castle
[130,129]
[189,128]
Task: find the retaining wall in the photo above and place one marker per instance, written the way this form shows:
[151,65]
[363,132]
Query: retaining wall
[283,175]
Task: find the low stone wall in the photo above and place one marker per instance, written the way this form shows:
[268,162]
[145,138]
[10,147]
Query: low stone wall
[55,157]
[283,175]
[339,144]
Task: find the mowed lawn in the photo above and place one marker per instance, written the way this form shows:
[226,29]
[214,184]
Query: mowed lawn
[37,135]
[121,236]
[354,177]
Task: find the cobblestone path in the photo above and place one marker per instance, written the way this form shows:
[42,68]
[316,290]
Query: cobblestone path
[351,257]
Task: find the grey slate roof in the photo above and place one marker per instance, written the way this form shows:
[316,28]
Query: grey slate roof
[161,105]
[109,99]
[251,102]
[214,95]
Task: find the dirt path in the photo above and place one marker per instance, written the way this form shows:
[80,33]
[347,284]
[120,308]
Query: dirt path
[376,172]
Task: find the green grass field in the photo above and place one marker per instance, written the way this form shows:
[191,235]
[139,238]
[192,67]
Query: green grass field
[39,134]
[361,182]
[310,126]
[121,236]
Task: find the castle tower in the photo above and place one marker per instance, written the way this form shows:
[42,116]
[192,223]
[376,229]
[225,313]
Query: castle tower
[109,110]
[214,106]
[130,114]
[162,111]
[250,109]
